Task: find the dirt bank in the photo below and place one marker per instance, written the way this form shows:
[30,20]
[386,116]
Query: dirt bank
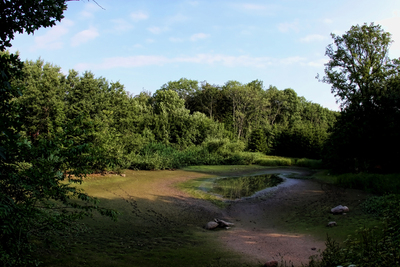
[258,233]
[160,225]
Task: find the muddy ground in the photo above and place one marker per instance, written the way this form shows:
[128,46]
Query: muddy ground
[161,225]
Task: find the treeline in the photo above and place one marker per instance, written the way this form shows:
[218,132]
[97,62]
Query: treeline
[182,123]
[268,120]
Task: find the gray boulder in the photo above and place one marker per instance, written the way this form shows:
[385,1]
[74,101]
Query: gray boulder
[211,225]
[339,209]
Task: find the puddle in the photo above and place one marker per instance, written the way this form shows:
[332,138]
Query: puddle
[243,186]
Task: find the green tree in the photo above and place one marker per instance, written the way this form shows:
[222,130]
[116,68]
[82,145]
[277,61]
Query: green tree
[359,64]
[364,80]
[184,87]
[42,102]
[37,196]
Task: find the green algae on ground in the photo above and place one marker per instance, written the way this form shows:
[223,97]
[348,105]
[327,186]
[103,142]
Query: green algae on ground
[244,186]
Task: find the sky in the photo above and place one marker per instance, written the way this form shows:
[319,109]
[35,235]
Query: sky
[145,44]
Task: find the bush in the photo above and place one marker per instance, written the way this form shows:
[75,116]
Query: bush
[373,183]
[368,247]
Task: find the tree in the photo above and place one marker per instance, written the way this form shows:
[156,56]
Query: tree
[37,195]
[184,87]
[359,64]
[364,80]
[21,15]
[42,102]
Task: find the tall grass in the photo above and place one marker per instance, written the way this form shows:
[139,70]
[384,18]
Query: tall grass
[378,246]
[374,183]
[159,156]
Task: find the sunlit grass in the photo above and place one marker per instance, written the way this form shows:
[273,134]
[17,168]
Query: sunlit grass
[156,227]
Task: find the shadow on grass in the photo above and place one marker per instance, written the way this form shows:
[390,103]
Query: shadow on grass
[152,231]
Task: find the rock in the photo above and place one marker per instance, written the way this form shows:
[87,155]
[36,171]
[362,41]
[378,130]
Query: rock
[271,264]
[218,223]
[123,175]
[223,223]
[339,209]
[331,224]
[211,225]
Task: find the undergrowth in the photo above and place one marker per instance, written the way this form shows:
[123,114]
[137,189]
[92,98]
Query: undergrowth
[377,246]
[371,182]
[158,156]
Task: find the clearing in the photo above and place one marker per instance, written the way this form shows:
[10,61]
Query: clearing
[161,225]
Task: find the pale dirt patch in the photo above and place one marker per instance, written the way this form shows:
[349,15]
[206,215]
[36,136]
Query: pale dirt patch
[157,205]
[257,233]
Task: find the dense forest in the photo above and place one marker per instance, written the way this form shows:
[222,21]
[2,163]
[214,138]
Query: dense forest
[57,128]
[135,131]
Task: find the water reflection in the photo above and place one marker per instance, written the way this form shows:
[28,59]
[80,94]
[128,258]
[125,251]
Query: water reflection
[244,186]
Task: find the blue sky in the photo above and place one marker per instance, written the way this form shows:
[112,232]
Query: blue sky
[145,44]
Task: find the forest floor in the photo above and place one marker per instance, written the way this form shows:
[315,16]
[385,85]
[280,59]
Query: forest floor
[161,225]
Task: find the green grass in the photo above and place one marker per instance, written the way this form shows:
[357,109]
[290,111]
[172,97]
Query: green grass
[369,182]
[155,227]
[200,188]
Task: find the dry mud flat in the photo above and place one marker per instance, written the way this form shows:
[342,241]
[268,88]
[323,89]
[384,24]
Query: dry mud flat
[273,224]
[286,221]
[258,233]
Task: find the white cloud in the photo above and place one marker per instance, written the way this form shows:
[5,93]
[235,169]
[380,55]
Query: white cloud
[285,27]
[327,21]
[124,62]
[84,36]
[253,7]
[177,18]
[52,39]
[90,9]
[176,40]
[317,63]
[291,60]
[199,36]
[313,38]
[193,3]
[209,59]
[157,30]
[137,16]
[260,9]
[121,25]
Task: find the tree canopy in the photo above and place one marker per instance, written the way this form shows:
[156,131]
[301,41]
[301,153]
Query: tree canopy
[365,81]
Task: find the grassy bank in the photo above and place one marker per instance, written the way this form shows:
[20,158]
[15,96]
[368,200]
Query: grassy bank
[158,226]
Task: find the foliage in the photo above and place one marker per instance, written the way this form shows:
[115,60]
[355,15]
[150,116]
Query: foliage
[368,246]
[37,193]
[371,182]
[366,83]
[377,205]
[14,18]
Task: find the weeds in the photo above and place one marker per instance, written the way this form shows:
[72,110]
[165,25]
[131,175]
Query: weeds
[373,183]
[158,156]
[378,246]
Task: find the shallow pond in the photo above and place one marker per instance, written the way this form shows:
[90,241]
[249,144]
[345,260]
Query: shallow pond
[244,186]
